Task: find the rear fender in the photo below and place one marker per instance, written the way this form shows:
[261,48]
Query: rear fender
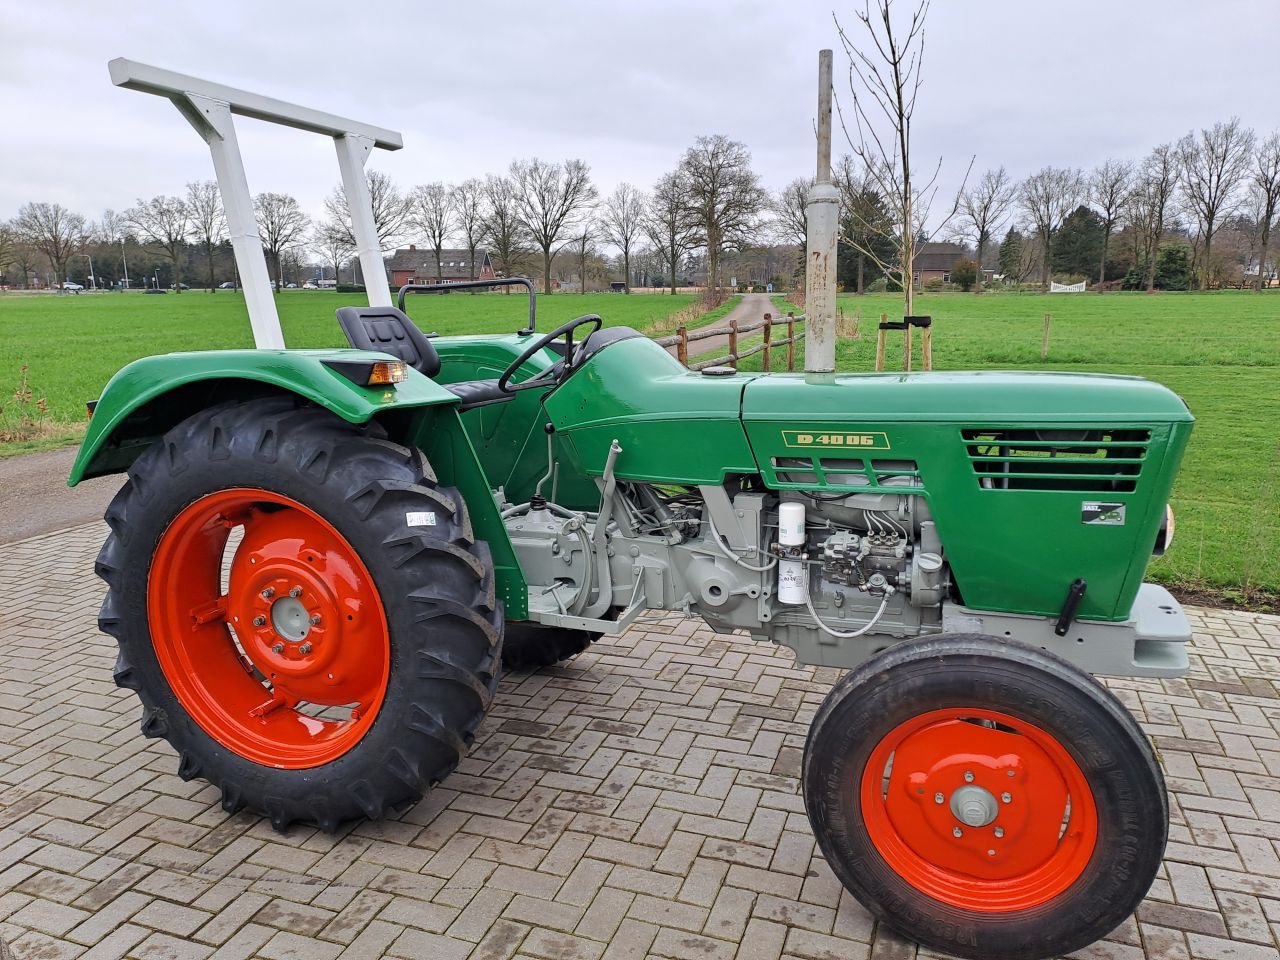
[147,397]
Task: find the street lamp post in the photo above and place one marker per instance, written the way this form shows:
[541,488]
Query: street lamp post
[93,280]
[126,264]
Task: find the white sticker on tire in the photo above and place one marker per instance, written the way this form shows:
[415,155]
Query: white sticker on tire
[420,518]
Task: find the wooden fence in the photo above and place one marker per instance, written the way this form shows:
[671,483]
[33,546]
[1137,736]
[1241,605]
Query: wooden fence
[684,336]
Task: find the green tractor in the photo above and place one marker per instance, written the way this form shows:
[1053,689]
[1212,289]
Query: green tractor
[322,560]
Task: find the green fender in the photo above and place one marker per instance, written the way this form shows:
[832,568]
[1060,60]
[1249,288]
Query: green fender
[141,402]
[150,395]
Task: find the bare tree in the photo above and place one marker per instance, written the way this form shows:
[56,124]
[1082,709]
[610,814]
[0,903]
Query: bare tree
[983,209]
[1047,198]
[884,81]
[8,249]
[1264,187]
[111,228]
[468,207]
[391,210]
[1108,190]
[1147,209]
[164,222]
[501,226]
[550,199]
[24,256]
[1211,168]
[621,222]
[669,226]
[281,225]
[724,198]
[330,240]
[582,239]
[53,230]
[433,215]
[789,211]
[208,224]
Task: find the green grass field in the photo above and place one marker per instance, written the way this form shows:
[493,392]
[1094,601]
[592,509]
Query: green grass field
[73,345]
[1219,351]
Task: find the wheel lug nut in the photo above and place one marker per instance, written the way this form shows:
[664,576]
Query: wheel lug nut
[315,618]
[968,776]
[1008,773]
[939,798]
[957,832]
[1006,796]
[259,621]
[278,648]
[268,593]
[295,592]
[999,832]
[991,853]
[305,648]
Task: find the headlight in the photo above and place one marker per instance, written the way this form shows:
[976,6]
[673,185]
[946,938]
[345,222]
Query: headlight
[1165,537]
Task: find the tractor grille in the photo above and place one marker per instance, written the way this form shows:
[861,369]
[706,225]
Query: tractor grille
[1085,460]
[853,474]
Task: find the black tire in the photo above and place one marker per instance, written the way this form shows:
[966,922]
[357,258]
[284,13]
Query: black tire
[530,646]
[444,624]
[1040,689]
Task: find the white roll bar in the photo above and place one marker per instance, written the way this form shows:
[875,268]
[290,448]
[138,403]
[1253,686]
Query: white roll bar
[209,108]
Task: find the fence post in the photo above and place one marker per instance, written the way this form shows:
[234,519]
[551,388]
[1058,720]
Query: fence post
[1044,338]
[682,345]
[884,318]
[906,347]
[768,340]
[926,346]
[791,341]
[733,343]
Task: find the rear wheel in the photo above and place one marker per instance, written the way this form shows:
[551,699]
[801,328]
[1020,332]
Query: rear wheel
[302,611]
[985,798]
[529,646]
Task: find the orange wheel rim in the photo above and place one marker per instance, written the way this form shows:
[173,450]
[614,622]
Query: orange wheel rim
[979,810]
[289,664]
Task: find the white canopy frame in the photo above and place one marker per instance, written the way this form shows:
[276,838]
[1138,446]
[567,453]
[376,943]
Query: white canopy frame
[209,107]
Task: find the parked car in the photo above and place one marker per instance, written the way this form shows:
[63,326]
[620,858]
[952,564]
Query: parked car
[182,286]
[309,285]
[68,285]
[229,285]
[291,286]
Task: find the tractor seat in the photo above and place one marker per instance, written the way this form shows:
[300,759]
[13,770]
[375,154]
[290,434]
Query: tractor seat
[388,330]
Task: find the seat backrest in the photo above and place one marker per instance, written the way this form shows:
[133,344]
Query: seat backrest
[388,330]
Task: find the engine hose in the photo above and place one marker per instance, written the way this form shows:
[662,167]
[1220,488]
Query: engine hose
[844,635]
[715,538]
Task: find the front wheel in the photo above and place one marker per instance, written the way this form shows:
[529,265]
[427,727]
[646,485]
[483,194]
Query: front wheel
[985,798]
[303,612]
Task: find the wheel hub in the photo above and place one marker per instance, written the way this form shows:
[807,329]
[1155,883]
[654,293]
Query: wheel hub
[291,619]
[974,806]
[288,667]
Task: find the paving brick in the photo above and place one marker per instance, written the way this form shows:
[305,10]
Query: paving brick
[641,801]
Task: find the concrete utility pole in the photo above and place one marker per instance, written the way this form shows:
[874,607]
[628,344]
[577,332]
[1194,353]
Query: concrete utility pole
[822,214]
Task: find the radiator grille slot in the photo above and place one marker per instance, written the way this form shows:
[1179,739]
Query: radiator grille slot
[1086,460]
[845,473]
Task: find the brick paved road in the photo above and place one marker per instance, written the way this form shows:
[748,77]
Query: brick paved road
[639,803]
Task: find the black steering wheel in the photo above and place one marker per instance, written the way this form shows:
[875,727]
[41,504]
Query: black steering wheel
[564,330]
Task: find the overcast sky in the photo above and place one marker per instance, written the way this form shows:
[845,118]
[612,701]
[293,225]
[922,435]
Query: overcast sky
[624,85]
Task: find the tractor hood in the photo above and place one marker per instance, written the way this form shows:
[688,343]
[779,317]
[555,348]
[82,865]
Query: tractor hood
[979,397]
